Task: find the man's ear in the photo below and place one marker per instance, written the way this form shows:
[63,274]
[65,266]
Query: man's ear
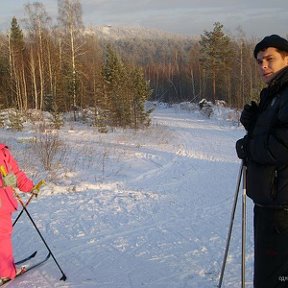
[286,60]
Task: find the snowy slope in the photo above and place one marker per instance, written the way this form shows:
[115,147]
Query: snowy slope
[137,209]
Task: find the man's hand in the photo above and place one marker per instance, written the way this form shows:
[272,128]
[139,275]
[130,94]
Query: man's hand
[242,148]
[248,115]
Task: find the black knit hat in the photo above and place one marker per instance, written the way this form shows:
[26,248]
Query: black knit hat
[271,41]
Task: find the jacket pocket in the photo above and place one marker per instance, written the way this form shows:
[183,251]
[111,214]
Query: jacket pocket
[261,183]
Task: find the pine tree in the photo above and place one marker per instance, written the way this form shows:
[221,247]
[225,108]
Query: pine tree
[56,120]
[15,120]
[99,120]
[2,117]
[116,77]
[127,92]
[142,92]
[16,36]
[216,51]
[17,72]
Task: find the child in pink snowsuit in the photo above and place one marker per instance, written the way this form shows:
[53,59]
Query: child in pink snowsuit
[8,204]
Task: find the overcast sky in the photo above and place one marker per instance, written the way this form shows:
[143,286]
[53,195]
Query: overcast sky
[256,18]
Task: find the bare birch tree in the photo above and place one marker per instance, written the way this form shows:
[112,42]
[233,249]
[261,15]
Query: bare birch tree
[37,23]
[70,19]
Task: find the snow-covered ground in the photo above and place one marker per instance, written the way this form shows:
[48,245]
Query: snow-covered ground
[136,209]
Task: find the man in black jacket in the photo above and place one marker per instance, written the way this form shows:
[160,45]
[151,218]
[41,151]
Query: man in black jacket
[264,151]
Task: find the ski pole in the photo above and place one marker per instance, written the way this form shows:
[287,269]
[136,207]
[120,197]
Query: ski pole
[231,225]
[42,238]
[4,173]
[37,188]
[243,269]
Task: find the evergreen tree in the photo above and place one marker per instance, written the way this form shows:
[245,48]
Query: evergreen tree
[16,36]
[2,117]
[16,63]
[142,91]
[56,119]
[127,92]
[100,120]
[15,120]
[116,77]
[216,52]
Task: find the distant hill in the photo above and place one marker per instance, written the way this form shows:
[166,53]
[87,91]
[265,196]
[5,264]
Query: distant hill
[109,32]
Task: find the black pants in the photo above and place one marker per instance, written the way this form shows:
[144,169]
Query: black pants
[270,247]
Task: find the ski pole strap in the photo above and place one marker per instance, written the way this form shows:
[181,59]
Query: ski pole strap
[19,198]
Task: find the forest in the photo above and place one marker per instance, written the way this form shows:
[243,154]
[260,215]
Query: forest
[67,67]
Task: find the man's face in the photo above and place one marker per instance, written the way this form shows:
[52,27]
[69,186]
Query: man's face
[270,61]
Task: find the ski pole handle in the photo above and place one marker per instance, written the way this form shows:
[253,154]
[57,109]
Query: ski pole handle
[37,189]
[38,185]
[3,171]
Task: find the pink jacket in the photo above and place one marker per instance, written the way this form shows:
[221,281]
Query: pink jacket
[8,202]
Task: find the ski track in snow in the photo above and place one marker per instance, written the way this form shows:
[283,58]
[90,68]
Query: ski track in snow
[140,209]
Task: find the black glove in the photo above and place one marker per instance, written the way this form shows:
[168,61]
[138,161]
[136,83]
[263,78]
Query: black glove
[242,148]
[248,115]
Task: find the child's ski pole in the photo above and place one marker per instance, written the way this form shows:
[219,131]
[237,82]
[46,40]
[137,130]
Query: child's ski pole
[4,173]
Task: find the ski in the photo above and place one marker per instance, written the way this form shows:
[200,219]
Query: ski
[37,264]
[26,259]
[24,269]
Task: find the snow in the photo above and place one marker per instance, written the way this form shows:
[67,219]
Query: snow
[130,209]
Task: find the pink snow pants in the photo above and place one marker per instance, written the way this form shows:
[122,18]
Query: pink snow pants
[7,266]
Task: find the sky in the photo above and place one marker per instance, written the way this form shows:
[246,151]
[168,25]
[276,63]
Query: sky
[256,18]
